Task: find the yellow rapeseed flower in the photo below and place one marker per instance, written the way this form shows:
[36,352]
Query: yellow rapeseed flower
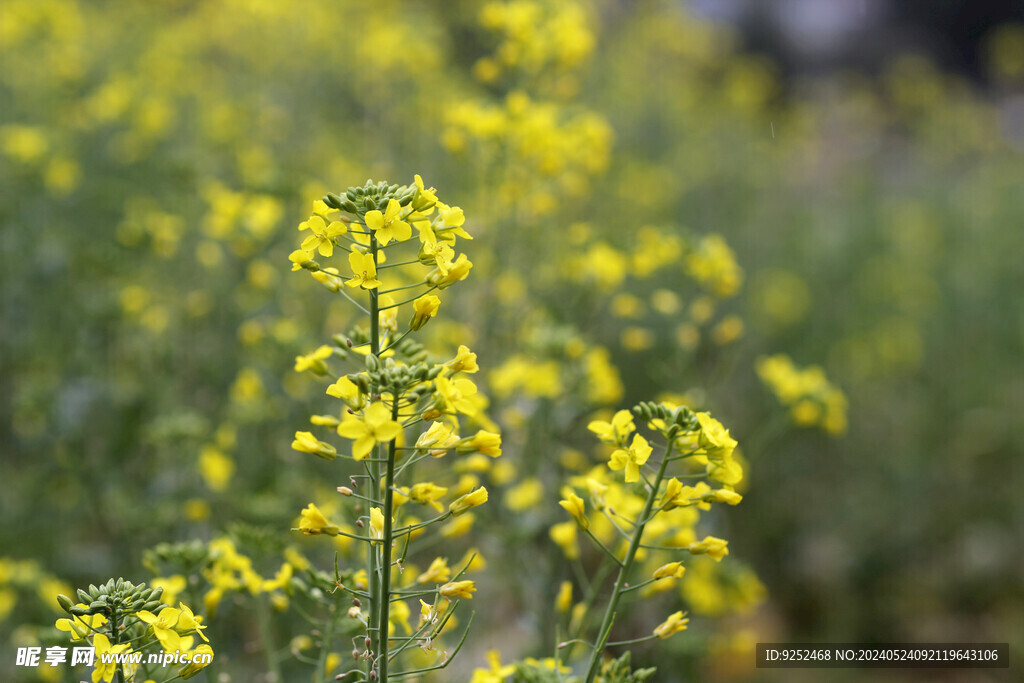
[375,426]
[425,198]
[483,441]
[715,548]
[364,271]
[388,226]
[305,442]
[456,271]
[563,601]
[674,624]
[631,458]
[564,535]
[452,395]
[424,308]
[573,504]
[439,438]
[314,361]
[437,572]
[106,670]
[376,523]
[313,522]
[615,432]
[495,672]
[672,569]
[468,501]
[714,437]
[322,239]
[464,361]
[726,496]
[346,390]
[458,589]
[80,627]
[428,493]
[199,658]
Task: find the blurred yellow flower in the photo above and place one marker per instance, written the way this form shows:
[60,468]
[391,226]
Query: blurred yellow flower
[458,589]
[674,624]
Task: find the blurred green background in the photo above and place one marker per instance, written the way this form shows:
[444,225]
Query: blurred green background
[156,157]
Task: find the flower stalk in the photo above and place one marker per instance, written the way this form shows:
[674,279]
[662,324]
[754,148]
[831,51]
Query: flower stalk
[394,392]
[621,581]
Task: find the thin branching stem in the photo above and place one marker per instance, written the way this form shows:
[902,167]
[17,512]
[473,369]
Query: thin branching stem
[627,565]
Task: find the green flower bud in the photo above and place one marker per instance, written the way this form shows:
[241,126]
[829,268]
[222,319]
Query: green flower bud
[65,602]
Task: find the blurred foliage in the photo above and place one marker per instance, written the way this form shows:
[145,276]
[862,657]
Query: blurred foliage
[652,216]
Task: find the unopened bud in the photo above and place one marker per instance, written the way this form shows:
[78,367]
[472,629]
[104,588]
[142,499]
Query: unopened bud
[65,602]
[344,490]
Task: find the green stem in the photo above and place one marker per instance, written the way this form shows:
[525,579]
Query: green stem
[385,563]
[375,473]
[273,665]
[321,664]
[115,639]
[627,565]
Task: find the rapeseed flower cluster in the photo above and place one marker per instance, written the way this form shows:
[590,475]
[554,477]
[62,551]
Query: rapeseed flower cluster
[122,618]
[401,254]
[638,512]
[812,400]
